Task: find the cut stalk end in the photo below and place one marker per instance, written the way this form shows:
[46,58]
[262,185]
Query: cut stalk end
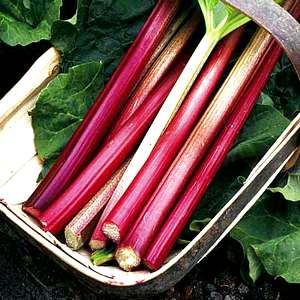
[73,240]
[96,245]
[111,231]
[127,258]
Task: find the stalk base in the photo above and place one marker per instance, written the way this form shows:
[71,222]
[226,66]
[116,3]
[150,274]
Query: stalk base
[111,231]
[127,258]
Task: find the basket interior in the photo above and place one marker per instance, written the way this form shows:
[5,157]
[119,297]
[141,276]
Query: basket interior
[20,167]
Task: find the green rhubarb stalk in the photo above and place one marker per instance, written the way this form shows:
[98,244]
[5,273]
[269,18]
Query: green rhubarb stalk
[220,20]
[99,257]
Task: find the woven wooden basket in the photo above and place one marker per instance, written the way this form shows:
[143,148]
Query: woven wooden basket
[20,166]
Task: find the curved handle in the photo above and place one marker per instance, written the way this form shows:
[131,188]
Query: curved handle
[277,21]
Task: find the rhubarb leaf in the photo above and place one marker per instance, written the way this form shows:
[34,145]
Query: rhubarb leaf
[66,99]
[281,256]
[65,33]
[251,268]
[270,237]
[284,89]
[24,22]
[259,133]
[63,36]
[47,164]
[265,100]
[105,30]
[291,190]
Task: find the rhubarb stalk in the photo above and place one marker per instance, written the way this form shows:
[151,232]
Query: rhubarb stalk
[79,230]
[174,225]
[108,160]
[177,22]
[159,69]
[87,138]
[75,234]
[170,142]
[98,239]
[220,20]
[151,79]
[175,179]
[172,228]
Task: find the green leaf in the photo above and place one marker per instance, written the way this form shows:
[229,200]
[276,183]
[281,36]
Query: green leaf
[263,127]
[105,30]
[284,89]
[265,100]
[65,33]
[281,256]
[291,190]
[256,268]
[23,22]
[82,12]
[61,107]
[63,36]
[47,164]
[269,235]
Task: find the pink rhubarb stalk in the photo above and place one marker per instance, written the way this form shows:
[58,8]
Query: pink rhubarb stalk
[79,230]
[151,79]
[126,210]
[172,228]
[87,138]
[108,160]
[98,239]
[167,236]
[159,69]
[152,217]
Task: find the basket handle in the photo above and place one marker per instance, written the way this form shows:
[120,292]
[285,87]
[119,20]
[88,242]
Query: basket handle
[277,21]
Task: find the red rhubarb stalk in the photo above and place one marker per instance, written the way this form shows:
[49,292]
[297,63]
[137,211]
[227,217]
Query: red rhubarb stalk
[151,79]
[220,20]
[76,234]
[98,239]
[79,230]
[87,138]
[179,217]
[177,22]
[144,184]
[163,199]
[174,225]
[108,159]
[159,69]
